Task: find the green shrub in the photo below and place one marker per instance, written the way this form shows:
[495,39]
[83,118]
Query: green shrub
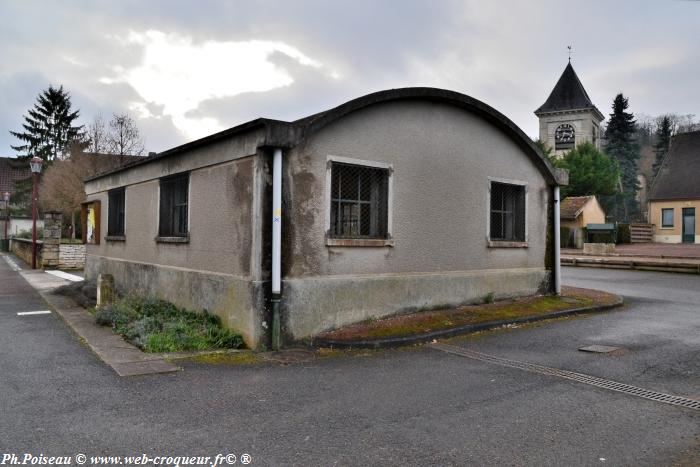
[28,233]
[488,298]
[155,325]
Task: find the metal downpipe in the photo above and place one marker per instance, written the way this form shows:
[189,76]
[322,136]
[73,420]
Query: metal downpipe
[557,243]
[276,245]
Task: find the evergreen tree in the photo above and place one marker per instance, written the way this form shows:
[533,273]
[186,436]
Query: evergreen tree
[663,141]
[590,172]
[546,150]
[48,127]
[622,147]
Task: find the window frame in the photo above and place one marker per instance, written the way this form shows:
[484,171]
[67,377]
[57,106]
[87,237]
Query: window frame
[172,236]
[506,243]
[358,242]
[673,218]
[111,234]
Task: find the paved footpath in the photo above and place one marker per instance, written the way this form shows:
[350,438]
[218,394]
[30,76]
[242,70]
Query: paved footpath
[124,358]
[414,406]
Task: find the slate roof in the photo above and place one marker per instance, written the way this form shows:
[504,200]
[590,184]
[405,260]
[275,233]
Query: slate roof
[11,171]
[679,175]
[571,206]
[568,94]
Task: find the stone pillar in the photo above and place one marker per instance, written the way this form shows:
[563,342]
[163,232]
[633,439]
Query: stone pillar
[105,289]
[52,239]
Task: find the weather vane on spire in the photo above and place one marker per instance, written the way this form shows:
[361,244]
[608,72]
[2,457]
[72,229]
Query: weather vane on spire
[569,47]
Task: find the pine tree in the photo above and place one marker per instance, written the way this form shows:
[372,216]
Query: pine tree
[48,128]
[663,141]
[622,147]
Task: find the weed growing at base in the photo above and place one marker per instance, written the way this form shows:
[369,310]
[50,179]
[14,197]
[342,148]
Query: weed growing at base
[155,325]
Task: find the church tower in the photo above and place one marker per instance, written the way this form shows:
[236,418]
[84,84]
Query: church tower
[568,117]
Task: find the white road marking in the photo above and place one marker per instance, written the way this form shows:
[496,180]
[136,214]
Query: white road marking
[14,266]
[26,313]
[65,275]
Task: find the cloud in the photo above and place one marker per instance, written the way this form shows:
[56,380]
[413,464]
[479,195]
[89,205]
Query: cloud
[179,74]
[185,69]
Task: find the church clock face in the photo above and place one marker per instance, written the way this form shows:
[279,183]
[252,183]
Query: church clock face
[564,136]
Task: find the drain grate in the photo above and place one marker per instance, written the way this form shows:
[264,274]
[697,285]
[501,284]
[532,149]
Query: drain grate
[599,348]
[573,376]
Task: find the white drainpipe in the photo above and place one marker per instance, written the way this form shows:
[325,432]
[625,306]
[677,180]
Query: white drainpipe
[557,244]
[276,245]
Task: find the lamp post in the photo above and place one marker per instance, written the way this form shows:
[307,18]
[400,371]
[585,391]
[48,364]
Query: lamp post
[6,197]
[35,164]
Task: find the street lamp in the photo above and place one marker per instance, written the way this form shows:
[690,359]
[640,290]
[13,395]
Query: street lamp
[6,197]
[35,164]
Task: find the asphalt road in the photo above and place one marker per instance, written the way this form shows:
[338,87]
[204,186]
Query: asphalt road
[417,406]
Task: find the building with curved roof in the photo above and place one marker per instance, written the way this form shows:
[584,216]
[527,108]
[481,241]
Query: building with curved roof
[399,200]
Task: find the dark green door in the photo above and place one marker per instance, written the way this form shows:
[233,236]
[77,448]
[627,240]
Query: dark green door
[688,225]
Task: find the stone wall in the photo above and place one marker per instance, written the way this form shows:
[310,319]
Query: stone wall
[52,240]
[22,247]
[71,256]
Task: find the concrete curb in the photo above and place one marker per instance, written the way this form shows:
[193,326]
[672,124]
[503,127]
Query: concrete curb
[632,255]
[456,331]
[124,358]
[631,263]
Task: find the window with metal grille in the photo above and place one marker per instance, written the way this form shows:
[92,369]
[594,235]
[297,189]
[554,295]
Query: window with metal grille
[358,201]
[173,206]
[507,212]
[115,221]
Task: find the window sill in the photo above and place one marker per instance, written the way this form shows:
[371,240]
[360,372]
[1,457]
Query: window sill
[667,228]
[503,244]
[115,238]
[173,239]
[360,242]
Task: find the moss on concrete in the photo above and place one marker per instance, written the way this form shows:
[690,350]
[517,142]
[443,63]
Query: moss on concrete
[424,322]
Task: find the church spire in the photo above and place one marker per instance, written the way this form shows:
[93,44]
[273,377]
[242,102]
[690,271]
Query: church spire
[568,94]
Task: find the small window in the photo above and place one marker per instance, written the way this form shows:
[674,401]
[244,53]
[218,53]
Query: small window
[173,206]
[667,218]
[507,212]
[358,201]
[115,224]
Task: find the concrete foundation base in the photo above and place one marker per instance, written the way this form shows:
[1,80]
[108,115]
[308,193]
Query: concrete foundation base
[237,301]
[313,305]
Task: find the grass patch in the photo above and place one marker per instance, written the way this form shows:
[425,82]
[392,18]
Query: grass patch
[155,325]
[427,321]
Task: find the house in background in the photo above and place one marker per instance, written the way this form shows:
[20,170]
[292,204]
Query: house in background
[674,199]
[576,213]
[397,201]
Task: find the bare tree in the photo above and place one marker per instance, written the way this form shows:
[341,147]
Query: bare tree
[62,186]
[124,137]
[96,135]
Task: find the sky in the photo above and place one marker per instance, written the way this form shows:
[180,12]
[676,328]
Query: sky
[186,69]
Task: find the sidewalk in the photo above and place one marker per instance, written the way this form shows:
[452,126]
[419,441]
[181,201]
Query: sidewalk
[644,256]
[124,358]
[689,251]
